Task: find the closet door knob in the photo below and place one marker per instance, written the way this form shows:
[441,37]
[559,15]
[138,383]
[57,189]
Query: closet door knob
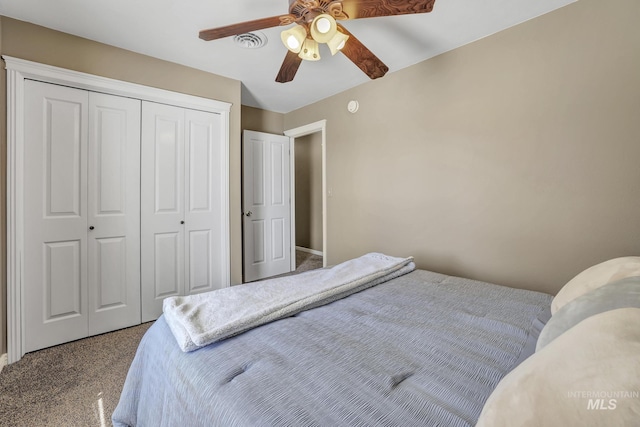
[249,213]
[181,222]
[91,227]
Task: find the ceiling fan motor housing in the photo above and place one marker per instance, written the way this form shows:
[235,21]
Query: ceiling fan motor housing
[308,10]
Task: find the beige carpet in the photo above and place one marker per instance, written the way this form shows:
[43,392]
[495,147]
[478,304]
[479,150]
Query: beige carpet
[79,383]
[74,384]
[306,261]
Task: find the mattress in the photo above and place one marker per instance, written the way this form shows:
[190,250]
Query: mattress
[421,349]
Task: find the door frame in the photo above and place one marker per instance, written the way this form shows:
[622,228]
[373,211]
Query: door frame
[19,70]
[319,126]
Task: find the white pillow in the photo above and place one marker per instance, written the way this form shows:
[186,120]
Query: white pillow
[588,376]
[620,294]
[594,277]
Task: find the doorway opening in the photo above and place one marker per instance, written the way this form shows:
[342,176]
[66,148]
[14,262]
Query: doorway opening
[308,196]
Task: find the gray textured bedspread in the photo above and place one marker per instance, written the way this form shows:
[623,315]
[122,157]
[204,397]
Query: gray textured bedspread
[423,349]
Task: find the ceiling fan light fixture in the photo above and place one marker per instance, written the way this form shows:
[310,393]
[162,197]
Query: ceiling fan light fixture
[323,28]
[294,38]
[337,42]
[314,21]
[310,50]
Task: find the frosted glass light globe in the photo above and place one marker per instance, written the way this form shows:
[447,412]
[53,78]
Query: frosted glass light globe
[293,43]
[323,25]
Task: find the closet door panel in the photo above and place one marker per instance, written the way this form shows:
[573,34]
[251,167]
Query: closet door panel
[110,281]
[62,280]
[162,206]
[114,212]
[203,219]
[167,252]
[200,272]
[167,163]
[55,232]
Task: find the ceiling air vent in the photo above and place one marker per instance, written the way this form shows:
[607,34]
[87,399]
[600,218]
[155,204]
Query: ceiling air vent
[253,40]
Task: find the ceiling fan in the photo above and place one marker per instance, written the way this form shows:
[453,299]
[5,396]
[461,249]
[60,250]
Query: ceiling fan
[315,22]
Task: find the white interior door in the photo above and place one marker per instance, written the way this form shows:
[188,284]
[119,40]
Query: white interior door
[55,200]
[162,206]
[204,227]
[266,205]
[113,212]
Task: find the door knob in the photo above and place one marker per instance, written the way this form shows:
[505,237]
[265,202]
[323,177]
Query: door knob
[181,222]
[91,227]
[249,213]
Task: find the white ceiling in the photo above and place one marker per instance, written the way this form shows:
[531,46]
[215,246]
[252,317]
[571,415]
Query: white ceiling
[168,29]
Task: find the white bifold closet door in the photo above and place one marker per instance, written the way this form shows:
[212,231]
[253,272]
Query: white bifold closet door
[182,228]
[81,212]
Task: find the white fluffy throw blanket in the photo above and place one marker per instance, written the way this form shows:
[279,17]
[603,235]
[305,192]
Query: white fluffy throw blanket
[202,319]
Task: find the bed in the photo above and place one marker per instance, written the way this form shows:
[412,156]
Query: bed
[419,349]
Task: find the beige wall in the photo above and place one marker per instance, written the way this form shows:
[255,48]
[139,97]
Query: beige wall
[513,159]
[308,174]
[262,120]
[31,42]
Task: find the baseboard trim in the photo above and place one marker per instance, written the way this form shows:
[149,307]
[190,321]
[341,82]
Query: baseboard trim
[4,361]
[311,251]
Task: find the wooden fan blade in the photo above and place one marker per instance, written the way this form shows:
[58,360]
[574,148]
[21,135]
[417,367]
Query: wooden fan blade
[289,67]
[356,9]
[358,53]
[243,27]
